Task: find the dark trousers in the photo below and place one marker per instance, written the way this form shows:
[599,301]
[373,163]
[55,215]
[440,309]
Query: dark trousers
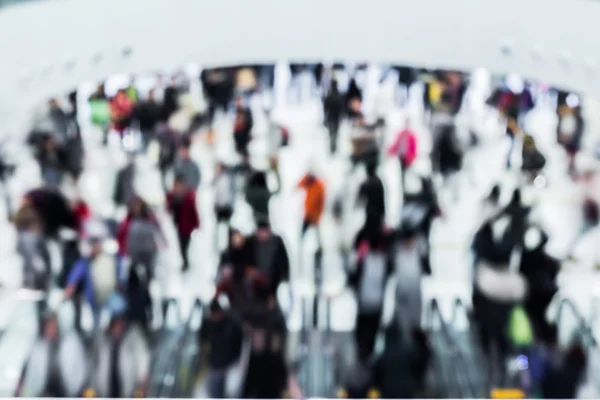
[365,333]
[184,243]
[333,126]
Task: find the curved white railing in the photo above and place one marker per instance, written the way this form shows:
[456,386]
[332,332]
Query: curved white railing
[48,47]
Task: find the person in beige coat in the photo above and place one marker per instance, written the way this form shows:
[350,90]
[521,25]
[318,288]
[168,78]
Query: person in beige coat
[122,356]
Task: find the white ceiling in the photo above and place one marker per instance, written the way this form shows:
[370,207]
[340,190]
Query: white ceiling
[49,47]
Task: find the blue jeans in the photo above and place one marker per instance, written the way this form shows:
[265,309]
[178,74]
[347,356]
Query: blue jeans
[215,383]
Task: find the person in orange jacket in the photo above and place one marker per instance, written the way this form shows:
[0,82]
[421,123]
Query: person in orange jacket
[314,203]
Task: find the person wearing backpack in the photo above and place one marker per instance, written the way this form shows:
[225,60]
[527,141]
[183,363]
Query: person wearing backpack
[369,279]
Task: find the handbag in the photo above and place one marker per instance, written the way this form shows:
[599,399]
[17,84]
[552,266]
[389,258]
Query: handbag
[520,332]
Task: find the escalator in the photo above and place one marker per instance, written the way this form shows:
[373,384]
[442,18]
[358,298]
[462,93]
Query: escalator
[450,376]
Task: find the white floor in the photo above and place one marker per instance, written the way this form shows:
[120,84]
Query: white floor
[555,207]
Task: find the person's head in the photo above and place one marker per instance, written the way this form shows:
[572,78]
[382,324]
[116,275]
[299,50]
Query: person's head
[179,186]
[263,231]
[237,239]
[95,246]
[138,208]
[528,144]
[151,95]
[310,178]
[50,329]
[54,103]
[239,102]
[494,195]
[184,148]
[216,311]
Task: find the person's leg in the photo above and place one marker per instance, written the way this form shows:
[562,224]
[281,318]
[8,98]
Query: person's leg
[77,312]
[510,151]
[184,242]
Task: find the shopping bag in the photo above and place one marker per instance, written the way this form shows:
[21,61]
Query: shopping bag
[520,331]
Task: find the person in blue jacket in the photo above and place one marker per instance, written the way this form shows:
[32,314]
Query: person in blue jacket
[98,274]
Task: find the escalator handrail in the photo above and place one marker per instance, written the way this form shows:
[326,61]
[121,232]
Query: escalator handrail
[583,327]
[448,334]
[169,390]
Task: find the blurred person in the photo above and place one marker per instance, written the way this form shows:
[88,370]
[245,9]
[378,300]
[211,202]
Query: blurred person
[168,140]
[52,208]
[371,195]
[543,357]
[512,131]
[37,271]
[224,184]
[400,371]
[122,366]
[121,111]
[139,310]
[57,365]
[147,113]
[138,237]
[353,93]
[419,210]
[270,255]
[222,336]
[564,380]
[181,203]
[185,166]
[540,270]
[533,160]
[242,129]
[497,286]
[124,190]
[267,375]
[52,161]
[369,279]
[237,255]
[405,147]
[314,203]
[240,286]
[359,377]
[98,274]
[569,132]
[334,107]
[448,156]
[258,194]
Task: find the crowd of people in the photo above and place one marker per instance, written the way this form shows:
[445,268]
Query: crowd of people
[514,276]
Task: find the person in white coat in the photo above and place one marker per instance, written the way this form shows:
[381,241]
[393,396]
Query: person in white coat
[122,356]
[57,365]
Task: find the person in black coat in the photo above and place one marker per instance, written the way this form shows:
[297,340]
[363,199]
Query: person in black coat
[448,151]
[147,113]
[139,308]
[222,336]
[563,381]
[540,270]
[270,255]
[333,106]
[371,194]
[399,372]
[258,195]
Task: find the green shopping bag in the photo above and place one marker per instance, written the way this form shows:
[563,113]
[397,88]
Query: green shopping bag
[520,331]
[132,94]
[100,112]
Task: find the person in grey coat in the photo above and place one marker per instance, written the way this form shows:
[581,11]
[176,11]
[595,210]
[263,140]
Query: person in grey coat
[186,167]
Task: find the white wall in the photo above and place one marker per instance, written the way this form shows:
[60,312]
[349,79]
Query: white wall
[40,38]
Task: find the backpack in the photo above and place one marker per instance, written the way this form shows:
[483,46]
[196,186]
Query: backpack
[372,282]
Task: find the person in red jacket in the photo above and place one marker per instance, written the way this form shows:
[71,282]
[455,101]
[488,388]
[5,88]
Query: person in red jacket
[405,148]
[181,202]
